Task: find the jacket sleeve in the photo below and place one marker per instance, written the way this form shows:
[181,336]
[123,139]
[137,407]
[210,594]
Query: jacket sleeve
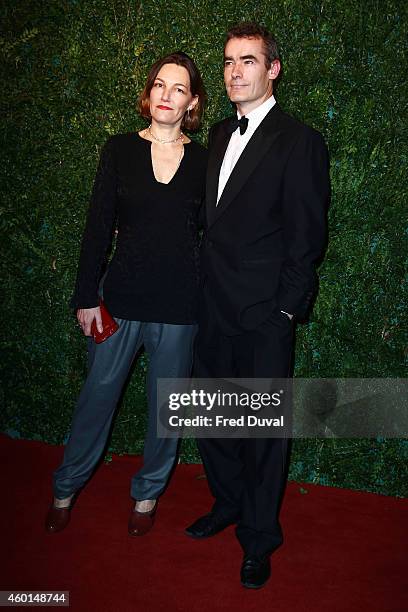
[306,190]
[202,219]
[97,237]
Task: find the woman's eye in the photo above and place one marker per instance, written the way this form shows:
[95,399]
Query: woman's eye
[158,84]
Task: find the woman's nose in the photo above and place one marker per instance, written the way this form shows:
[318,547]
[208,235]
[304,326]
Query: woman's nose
[165,94]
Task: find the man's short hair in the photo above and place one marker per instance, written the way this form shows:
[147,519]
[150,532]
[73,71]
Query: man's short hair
[250,29]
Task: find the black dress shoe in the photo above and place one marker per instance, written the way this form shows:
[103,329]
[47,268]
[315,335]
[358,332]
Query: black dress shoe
[255,571]
[208,526]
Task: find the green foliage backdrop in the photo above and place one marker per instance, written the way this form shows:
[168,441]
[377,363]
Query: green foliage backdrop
[71,72]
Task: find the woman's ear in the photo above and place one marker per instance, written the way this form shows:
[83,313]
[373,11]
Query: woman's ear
[193,103]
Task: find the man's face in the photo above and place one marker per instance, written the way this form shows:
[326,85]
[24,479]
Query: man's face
[247,79]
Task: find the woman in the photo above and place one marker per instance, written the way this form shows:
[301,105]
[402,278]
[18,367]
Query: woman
[149,185]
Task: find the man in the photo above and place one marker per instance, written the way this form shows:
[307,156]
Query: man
[267,195]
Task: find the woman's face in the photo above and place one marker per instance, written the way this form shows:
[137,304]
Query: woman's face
[170,96]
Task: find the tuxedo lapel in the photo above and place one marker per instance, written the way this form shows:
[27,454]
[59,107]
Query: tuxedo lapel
[216,156]
[255,150]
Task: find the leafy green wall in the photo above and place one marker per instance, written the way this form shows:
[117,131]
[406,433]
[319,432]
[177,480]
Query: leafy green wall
[71,73]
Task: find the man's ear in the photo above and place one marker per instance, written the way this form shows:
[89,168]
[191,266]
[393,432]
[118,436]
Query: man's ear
[274,70]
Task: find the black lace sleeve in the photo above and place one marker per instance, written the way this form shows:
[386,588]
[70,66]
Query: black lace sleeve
[98,232]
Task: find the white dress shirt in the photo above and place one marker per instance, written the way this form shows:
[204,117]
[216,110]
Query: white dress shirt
[238,142]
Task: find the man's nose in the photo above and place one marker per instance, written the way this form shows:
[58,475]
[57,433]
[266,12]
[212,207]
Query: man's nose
[236,71]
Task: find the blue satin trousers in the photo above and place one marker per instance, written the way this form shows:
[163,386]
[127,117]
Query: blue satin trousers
[170,351]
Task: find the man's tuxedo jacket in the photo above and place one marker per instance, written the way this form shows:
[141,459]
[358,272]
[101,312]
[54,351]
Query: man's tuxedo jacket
[262,241]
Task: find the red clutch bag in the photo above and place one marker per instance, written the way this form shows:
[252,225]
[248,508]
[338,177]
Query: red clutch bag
[109,325]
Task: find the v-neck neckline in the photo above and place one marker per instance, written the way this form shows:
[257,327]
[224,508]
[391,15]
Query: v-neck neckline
[173,178]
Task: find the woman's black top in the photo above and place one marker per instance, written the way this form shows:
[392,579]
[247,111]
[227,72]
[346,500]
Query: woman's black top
[153,274]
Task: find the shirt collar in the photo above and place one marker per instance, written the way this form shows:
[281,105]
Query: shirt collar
[259,113]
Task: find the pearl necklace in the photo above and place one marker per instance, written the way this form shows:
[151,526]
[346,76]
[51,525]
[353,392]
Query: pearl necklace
[165,141]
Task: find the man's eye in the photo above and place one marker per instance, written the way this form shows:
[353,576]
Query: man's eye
[227,63]
[248,62]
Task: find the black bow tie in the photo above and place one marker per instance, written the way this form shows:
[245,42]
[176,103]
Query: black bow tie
[241,123]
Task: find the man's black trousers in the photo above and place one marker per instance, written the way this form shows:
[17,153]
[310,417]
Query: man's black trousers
[247,477]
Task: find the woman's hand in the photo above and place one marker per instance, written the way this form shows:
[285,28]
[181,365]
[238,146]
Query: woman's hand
[85,317]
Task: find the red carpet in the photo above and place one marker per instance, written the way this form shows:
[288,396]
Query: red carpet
[344,550]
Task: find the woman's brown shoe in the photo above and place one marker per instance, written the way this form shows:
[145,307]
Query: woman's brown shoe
[141,522]
[57,518]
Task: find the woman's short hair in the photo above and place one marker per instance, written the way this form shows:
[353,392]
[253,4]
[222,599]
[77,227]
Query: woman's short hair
[191,120]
